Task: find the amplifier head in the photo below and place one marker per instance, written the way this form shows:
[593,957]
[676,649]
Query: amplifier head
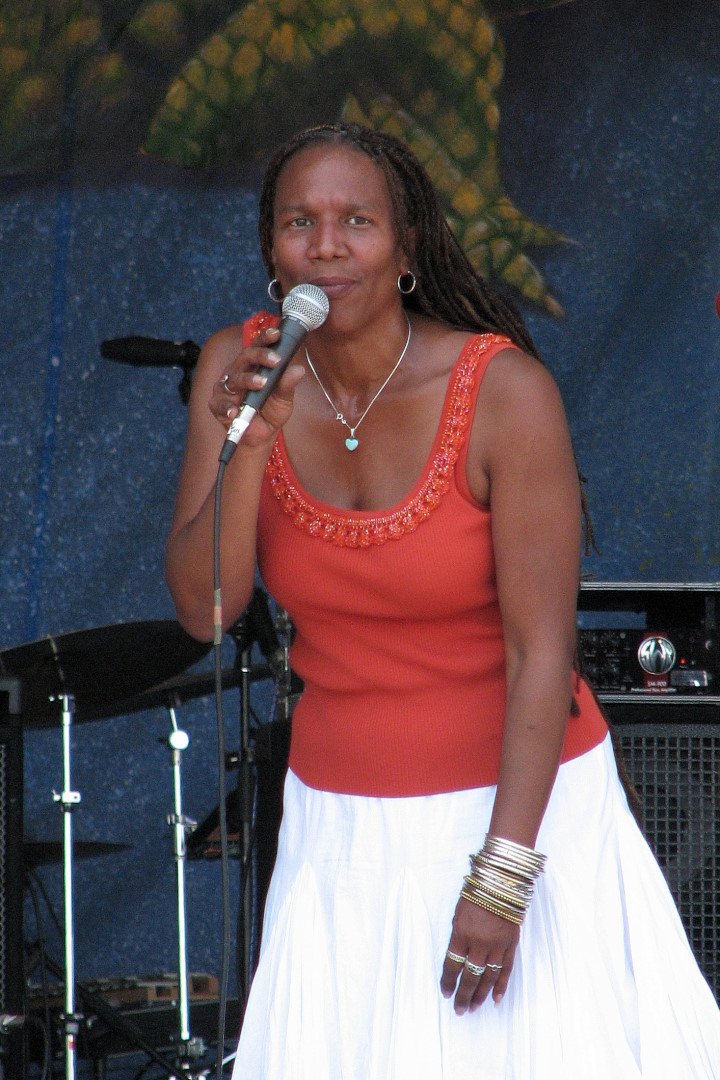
[645,638]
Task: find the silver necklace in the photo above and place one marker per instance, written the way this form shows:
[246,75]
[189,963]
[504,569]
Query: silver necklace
[351,442]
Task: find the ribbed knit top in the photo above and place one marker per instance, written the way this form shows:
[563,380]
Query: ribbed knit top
[398,633]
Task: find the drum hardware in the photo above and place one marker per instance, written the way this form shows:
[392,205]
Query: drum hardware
[95,1006]
[244,633]
[68,800]
[45,852]
[104,668]
[112,671]
[187,687]
[87,674]
[256,624]
[190,1048]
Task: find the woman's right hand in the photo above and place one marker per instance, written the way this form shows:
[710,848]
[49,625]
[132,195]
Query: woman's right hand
[241,376]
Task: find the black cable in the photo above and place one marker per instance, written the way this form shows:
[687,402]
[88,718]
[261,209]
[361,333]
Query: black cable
[35,1021]
[30,880]
[222,809]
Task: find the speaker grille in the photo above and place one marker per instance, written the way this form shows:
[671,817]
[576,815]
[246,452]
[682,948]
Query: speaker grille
[676,770]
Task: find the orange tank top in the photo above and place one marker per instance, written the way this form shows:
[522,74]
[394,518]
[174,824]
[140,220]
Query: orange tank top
[398,630]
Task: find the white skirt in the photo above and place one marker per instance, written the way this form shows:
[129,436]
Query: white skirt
[358,919]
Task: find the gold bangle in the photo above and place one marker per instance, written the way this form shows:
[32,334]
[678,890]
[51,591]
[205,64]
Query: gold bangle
[507,897]
[508,901]
[493,908]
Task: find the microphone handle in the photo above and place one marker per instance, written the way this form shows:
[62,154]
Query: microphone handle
[292,332]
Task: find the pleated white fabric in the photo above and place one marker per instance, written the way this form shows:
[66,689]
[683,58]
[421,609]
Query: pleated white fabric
[357,922]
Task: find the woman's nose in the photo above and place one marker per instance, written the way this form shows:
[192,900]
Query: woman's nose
[327,240]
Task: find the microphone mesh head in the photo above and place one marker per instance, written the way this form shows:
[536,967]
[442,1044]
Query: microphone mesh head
[308,304]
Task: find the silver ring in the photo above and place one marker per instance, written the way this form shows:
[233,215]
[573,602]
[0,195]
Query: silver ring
[475,969]
[495,967]
[454,956]
[224,383]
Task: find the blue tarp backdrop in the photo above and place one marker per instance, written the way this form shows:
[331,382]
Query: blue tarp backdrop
[610,133]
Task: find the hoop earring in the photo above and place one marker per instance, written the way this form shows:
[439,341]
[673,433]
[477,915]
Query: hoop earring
[402,281]
[273,290]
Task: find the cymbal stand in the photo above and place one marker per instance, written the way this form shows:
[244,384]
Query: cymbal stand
[243,637]
[68,800]
[190,1048]
[255,624]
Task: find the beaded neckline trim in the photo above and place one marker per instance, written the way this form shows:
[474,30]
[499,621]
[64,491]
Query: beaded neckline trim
[365,528]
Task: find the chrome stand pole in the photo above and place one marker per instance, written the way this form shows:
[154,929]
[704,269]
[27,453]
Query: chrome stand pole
[191,1048]
[68,800]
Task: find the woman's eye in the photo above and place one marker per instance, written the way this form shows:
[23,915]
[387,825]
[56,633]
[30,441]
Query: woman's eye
[358,219]
[299,222]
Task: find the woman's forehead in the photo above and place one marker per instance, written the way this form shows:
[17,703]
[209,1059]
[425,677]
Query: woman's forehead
[334,166]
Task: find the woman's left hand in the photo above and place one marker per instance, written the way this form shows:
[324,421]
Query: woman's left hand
[483,941]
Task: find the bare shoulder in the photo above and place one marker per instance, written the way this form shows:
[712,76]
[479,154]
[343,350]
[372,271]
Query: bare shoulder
[518,381]
[439,346]
[222,347]
[520,424]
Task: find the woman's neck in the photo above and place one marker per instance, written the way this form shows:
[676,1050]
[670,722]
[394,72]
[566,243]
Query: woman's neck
[351,363]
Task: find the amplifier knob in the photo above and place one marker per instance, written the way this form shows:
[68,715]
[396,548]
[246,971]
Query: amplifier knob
[656,655]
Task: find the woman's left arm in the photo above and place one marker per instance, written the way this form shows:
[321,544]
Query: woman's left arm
[521,459]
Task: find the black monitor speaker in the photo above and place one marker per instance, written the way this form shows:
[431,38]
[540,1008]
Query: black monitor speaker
[12,981]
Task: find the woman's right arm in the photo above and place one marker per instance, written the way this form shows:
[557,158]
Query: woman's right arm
[189,552]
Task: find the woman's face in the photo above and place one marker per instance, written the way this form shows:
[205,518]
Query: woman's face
[333,227]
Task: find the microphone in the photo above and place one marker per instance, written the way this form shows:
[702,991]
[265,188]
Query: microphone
[151,352]
[305,308]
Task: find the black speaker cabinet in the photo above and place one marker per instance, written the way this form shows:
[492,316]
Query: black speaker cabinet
[11,878]
[653,651]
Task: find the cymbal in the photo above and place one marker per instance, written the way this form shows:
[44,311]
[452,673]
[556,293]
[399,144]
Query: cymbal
[186,687]
[42,852]
[99,667]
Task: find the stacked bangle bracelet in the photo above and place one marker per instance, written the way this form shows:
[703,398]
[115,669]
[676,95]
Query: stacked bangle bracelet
[502,876]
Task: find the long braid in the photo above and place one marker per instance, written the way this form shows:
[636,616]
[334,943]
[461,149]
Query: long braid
[448,287]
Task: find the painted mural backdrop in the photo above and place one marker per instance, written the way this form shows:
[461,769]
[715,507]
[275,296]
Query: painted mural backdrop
[577,152]
[429,72]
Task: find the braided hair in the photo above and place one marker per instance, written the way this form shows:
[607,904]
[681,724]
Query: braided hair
[448,288]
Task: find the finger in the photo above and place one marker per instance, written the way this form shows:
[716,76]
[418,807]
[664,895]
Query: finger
[496,974]
[471,980]
[503,978]
[228,390]
[268,336]
[452,968]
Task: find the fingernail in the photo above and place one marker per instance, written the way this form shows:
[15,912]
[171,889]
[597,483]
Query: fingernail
[273,357]
[259,380]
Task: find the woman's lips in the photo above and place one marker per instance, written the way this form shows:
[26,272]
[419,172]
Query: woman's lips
[333,287]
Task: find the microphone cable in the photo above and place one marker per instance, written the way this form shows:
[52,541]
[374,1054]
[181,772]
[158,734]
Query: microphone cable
[222,809]
[304,308]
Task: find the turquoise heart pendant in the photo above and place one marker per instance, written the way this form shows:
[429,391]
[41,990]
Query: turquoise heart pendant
[351,442]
